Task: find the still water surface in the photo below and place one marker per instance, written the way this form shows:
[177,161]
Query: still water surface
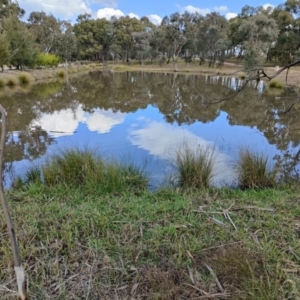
[145,117]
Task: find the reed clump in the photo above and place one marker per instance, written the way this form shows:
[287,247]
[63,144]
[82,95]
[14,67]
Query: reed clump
[76,168]
[11,82]
[253,171]
[194,166]
[274,83]
[23,79]
[61,74]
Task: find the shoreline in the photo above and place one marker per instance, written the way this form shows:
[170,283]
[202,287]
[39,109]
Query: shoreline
[10,79]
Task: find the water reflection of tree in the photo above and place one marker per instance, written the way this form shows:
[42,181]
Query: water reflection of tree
[180,98]
[27,144]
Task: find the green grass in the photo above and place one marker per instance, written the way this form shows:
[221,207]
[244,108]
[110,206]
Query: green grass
[78,243]
[74,167]
[194,166]
[253,171]
[23,79]
[274,83]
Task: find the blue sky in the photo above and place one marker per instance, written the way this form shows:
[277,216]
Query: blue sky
[154,9]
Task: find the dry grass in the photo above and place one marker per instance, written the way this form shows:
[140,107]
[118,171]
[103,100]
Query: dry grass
[11,82]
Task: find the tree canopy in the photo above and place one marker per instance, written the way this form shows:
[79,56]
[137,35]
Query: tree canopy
[255,35]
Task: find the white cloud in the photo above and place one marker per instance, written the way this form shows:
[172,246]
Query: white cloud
[107,13]
[62,123]
[65,9]
[155,19]
[230,15]
[200,11]
[132,15]
[221,9]
[265,6]
[170,139]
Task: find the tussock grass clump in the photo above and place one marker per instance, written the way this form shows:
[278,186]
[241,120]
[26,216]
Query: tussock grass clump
[276,84]
[61,74]
[11,82]
[23,78]
[194,165]
[77,168]
[253,171]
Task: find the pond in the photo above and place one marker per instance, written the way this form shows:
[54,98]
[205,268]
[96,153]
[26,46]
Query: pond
[146,117]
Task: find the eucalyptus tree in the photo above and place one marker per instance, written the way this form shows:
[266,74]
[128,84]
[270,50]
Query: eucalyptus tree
[213,37]
[260,33]
[124,27]
[235,37]
[288,41]
[9,8]
[66,43]
[46,29]
[159,44]
[142,45]
[104,35]
[175,29]
[85,32]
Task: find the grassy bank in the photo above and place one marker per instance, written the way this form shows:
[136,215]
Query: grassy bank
[81,243]
[13,78]
[88,228]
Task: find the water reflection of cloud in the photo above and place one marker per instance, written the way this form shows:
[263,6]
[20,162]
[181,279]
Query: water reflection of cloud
[102,121]
[163,140]
[65,122]
[60,123]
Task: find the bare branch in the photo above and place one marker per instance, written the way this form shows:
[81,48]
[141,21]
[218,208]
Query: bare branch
[21,279]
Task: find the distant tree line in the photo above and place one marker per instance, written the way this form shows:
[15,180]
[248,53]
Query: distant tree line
[256,35]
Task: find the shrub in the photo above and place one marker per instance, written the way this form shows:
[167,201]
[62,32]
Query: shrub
[194,166]
[47,60]
[276,84]
[253,170]
[243,76]
[23,78]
